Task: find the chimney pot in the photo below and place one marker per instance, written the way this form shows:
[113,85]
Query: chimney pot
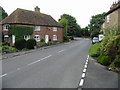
[37,9]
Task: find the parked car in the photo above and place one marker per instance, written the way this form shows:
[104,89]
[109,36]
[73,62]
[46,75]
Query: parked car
[95,40]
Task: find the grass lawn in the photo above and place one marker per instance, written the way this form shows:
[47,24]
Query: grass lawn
[94,50]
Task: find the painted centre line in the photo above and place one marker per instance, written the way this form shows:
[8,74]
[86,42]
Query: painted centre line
[3,75]
[61,51]
[39,60]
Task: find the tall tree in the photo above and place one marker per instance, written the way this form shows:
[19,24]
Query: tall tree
[3,14]
[95,23]
[70,24]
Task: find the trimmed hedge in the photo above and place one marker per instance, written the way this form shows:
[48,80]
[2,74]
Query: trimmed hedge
[20,43]
[31,43]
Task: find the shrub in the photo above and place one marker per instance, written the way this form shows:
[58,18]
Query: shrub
[42,40]
[94,50]
[8,49]
[20,43]
[66,38]
[31,43]
[116,62]
[5,43]
[104,60]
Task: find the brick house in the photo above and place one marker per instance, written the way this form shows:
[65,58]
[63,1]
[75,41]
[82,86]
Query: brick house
[44,26]
[112,17]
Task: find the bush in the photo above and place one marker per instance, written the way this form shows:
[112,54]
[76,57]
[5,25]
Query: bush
[8,49]
[42,40]
[116,62]
[94,50]
[20,43]
[104,60]
[65,38]
[5,43]
[31,43]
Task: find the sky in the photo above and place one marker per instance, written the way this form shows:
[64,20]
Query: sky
[82,10]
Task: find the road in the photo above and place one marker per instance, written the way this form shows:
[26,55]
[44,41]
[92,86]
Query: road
[59,66]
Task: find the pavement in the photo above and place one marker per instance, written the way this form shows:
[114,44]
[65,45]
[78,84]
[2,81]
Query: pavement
[99,78]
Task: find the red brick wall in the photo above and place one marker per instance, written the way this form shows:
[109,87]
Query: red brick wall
[44,30]
[49,31]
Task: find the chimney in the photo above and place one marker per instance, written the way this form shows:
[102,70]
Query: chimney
[37,9]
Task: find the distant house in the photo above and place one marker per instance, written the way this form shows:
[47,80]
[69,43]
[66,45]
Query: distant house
[112,17]
[44,26]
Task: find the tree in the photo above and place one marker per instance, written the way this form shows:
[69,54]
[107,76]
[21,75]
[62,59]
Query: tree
[3,14]
[95,23]
[70,25]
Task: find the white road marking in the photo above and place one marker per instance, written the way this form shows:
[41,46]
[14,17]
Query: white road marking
[85,66]
[18,68]
[61,51]
[3,75]
[84,70]
[86,63]
[81,82]
[39,60]
[83,75]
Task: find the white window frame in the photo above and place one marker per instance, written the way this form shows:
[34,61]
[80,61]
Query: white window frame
[38,38]
[55,29]
[5,27]
[6,36]
[26,37]
[108,18]
[37,28]
[54,37]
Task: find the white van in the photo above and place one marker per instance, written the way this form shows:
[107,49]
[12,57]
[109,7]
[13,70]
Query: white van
[101,36]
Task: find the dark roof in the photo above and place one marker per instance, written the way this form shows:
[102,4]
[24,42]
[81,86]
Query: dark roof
[21,16]
[114,8]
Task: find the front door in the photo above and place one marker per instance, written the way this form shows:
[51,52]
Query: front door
[46,38]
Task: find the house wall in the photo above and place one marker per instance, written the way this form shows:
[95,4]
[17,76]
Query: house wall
[49,31]
[113,19]
[44,30]
[119,17]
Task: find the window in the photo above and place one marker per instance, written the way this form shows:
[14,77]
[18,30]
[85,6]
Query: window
[5,27]
[26,37]
[37,28]
[37,38]
[6,38]
[54,28]
[54,37]
[108,18]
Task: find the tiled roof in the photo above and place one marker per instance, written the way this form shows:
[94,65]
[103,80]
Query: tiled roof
[21,16]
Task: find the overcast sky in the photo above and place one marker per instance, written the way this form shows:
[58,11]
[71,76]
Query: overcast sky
[82,10]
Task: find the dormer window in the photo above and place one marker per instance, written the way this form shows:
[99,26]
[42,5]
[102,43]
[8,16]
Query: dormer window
[37,28]
[54,28]
[5,27]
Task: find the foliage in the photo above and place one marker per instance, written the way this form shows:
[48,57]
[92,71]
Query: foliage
[85,32]
[42,40]
[94,50]
[3,14]
[104,60]
[20,31]
[20,43]
[70,25]
[111,31]
[31,43]
[8,49]
[95,24]
[116,62]
[40,44]
[5,43]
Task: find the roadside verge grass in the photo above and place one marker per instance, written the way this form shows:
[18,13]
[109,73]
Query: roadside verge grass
[94,50]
